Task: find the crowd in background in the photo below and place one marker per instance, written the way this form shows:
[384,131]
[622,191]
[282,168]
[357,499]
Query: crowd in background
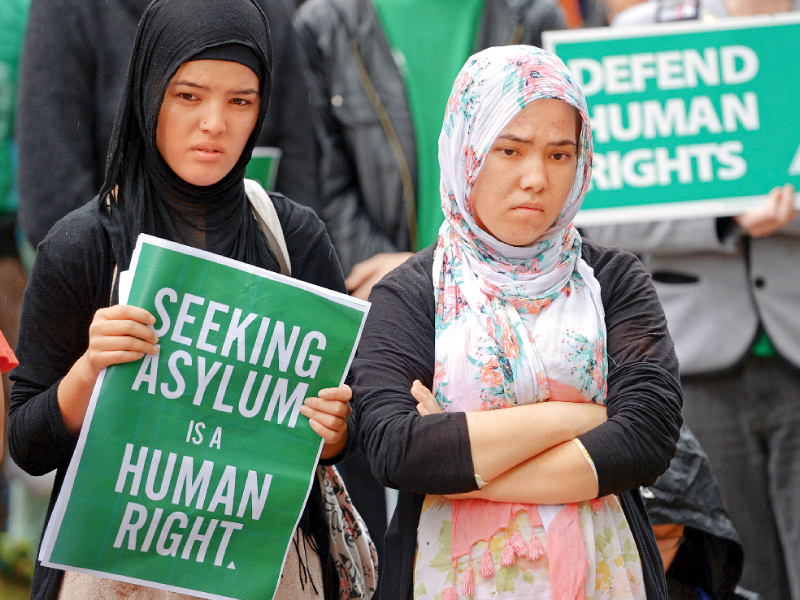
[358,94]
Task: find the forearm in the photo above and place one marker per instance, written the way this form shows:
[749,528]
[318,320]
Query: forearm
[38,441]
[533,428]
[557,476]
[74,394]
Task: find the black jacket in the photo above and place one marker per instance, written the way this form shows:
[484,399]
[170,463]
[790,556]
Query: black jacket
[368,154]
[432,455]
[711,555]
[74,64]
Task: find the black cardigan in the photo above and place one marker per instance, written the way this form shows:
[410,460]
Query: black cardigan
[70,281]
[631,449]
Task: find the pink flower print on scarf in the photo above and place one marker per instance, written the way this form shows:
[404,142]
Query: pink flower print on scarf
[519,80]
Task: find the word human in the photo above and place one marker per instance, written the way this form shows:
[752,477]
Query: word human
[250,339]
[143,531]
[670,118]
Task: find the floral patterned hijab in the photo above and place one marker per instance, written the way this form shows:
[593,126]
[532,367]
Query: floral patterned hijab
[514,325]
[491,301]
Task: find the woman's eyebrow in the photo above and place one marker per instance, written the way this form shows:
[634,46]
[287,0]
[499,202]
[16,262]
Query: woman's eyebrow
[515,138]
[187,83]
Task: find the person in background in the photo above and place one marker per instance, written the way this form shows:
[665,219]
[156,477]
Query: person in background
[14,544]
[13,15]
[730,287]
[699,545]
[73,69]
[7,362]
[380,75]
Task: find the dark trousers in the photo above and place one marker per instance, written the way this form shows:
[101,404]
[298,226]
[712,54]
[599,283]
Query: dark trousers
[748,421]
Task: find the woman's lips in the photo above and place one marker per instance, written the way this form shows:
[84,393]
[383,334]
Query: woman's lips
[208,152]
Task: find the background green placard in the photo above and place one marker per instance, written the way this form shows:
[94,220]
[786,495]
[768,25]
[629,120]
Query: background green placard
[770,142]
[121,416]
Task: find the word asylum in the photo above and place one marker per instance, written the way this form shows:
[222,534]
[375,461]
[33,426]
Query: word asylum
[231,336]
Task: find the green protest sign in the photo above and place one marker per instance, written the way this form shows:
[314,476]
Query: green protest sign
[263,166]
[688,119]
[193,466]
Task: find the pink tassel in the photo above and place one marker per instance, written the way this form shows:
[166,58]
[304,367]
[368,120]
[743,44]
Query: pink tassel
[507,559]
[450,594]
[535,548]
[596,504]
[487,566]
[469,582]
[518,545]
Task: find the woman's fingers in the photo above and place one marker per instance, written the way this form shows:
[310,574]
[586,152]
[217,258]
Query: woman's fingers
[331,436]
[122,329]
[127,313]
[329,412]
[120,334]
[343,393]
[425,399]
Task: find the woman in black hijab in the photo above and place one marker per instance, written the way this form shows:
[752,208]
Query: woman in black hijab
[196,95]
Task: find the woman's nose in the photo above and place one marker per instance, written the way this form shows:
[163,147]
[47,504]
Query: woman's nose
[213,120]
[534,175]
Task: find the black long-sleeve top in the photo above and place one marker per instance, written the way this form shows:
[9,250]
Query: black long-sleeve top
[432,455]
[71,279]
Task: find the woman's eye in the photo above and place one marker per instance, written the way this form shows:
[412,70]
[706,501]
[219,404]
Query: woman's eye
[560,155]
[507,151]
[241,102]
[186,96]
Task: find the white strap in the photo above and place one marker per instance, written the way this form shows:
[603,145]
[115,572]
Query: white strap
[267,218]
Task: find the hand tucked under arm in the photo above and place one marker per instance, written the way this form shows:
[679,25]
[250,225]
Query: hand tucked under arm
[556,476]
[502,439]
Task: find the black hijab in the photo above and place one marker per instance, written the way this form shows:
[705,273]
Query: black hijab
[149,196]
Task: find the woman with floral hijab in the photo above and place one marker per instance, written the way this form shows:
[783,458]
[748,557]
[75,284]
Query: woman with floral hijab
[512,310]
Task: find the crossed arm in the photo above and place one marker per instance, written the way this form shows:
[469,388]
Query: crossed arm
[542,465]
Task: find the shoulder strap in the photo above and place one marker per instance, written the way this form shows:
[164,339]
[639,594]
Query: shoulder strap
[267,217]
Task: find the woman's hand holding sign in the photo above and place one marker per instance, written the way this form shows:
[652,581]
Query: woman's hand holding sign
[328,416]
[117,334]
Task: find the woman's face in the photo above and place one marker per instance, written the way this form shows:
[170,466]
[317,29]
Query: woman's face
[209,111]
[528,173]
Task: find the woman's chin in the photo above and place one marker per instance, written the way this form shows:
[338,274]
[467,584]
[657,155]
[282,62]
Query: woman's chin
[202,177]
